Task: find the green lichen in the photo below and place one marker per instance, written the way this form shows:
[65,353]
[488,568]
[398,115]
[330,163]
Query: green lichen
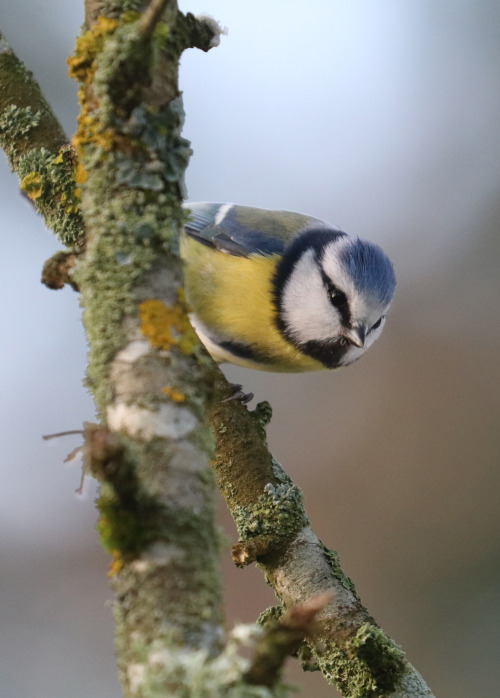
[122,68]
[134,233]
[34,142]
[15,124]
[49,181]
[385,658]
[369,666]
[352,678]
[270,615]
[47,177]
[307,658]
[130,519]
[278,511]
[334,562]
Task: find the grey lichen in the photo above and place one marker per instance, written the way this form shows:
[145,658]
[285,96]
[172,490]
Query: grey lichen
[16,123]
[270,615]
[278,511]
[165,153]
[159,668]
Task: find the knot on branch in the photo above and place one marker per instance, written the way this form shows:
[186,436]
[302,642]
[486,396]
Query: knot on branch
[247,551]
[204,31]
[262,415]
[58,271]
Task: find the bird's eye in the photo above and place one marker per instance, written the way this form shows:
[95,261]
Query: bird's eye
[337,297]
[377,324]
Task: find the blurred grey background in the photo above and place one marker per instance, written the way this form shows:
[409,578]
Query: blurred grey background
[382,118]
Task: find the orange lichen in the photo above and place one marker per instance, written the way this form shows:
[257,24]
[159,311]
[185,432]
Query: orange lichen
[32,184]
[116,564]
[81,175]
[82,66]
[88,46]
[166,326]
[69,203]
[174,394]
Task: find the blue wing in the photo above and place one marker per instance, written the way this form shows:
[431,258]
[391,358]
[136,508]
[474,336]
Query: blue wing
[242,230]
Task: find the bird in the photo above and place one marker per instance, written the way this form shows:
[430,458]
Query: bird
[281,291]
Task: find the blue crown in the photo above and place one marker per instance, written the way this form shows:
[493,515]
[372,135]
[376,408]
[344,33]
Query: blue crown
[370,269]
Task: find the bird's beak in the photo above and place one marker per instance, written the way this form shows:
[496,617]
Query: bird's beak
[356,335]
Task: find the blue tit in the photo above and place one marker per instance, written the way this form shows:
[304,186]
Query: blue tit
[281,291]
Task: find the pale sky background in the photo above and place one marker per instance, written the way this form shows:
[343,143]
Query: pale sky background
[379,117]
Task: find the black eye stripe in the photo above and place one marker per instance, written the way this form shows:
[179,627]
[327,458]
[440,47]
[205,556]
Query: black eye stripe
[337,298]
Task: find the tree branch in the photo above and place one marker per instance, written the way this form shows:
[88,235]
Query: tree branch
[37,149]
[351,650]
[148,372]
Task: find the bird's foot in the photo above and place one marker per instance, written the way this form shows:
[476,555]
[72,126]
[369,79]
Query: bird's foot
[239,395]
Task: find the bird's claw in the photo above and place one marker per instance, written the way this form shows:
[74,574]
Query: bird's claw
[239,395]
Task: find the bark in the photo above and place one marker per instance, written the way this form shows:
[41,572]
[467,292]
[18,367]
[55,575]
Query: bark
[152,456]
[348,646]
[37,149]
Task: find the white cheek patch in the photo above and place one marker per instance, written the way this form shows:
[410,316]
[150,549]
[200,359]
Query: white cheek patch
[306,310]
[334,268]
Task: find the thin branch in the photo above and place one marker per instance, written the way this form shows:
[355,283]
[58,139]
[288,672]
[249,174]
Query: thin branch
[72,432]
[350,648]
[282,639]
[37,149]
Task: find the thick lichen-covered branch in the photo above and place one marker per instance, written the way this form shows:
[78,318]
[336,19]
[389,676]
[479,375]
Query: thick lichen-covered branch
[147,370]
[37,149]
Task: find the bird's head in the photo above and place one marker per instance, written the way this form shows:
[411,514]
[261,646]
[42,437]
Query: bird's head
[332,293]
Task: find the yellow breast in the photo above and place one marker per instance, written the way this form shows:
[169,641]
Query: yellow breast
[233,298]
